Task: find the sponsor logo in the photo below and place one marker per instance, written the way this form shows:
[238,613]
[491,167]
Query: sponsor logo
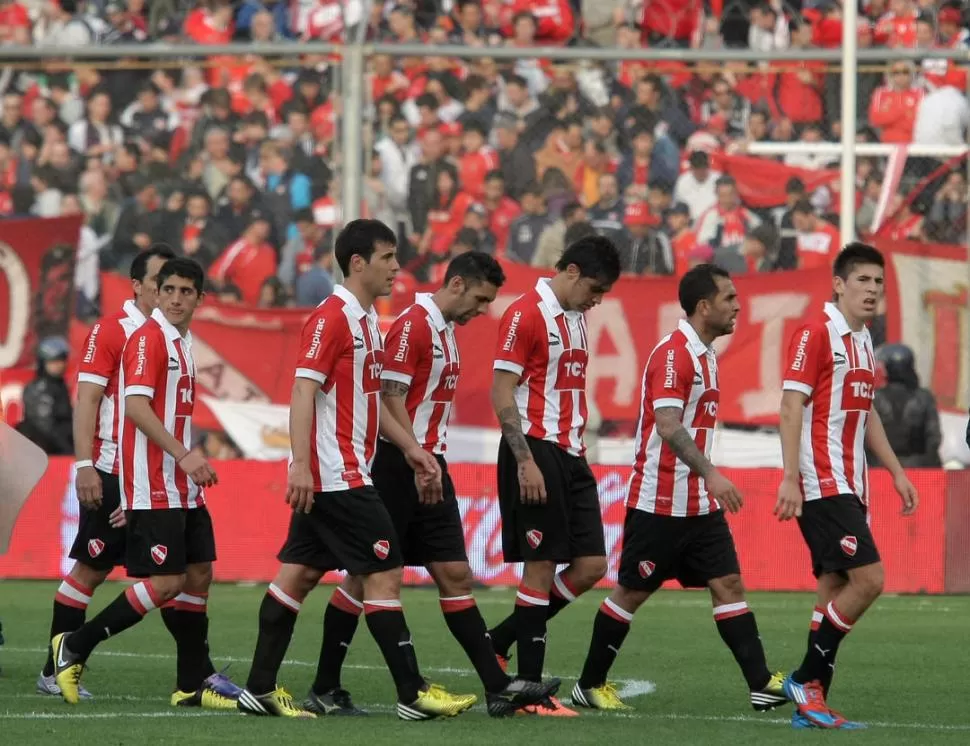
[316,340]
[142,355]
[698,379]
[510,334]
[858,390]
[534,537]
[358,342]
[839,359]
[850,545]
[92,344]
[670,373]
[646,569]
[95,547]
[159,552]
[800,354]
[572,370]
[554,340]
[402,344]
[436,351]
[382,548]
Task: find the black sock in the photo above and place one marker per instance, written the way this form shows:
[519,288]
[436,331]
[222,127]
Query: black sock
[503,634]
[610,629]
[277,617]
[386,623]
[339,626]
[467,626]
[185,618]
[70,608]
[739,630]
[531,612]
[819,662]
[125,611]
[826,679]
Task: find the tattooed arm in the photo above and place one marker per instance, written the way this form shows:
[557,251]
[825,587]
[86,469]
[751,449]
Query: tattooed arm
[503,402]
[393,397]
[671,428]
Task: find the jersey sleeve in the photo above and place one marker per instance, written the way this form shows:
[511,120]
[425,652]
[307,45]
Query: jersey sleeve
[405,347]
[102,354]
[145,362]
[803,360]
[670,375]
[516,340]
[323,340]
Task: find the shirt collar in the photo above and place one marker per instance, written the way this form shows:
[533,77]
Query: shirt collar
[426,301]
[549,297]
[841,325]
[133,311]
[695,342]
[171,333]
[350,300]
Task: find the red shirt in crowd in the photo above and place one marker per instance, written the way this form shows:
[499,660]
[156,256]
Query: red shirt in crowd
[472,168]
[246,266]
[894,113]
[896,31]
[801,102]
[500,220]
[677,19]
[445,221]
[818,248]
[555,20]
[12,16]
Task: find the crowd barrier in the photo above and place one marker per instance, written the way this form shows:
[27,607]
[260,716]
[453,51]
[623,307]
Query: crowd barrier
[926,553]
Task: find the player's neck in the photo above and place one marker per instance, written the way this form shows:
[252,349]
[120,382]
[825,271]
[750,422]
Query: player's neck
[363,297]
[558,287]
[146,310]
[855,324]
[702,334]
[441,302]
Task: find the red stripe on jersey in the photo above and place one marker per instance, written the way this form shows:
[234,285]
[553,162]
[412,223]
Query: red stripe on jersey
[181,478]
[373,404]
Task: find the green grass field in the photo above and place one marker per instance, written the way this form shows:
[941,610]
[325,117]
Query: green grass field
[904,671]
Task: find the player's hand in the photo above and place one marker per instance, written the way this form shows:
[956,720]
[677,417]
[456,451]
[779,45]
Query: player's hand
[790,500]
[299,487]
[723,490]
[907,493]
[532,485]
[427,475]
[88,486]
[195,465]
[118,519]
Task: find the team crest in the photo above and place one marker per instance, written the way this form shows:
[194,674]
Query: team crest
[534,537]
[382,548]
[849,546]
[159,553]
[646,569]
[95,547]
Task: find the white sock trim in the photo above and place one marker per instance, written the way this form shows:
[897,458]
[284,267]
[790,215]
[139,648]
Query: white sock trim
[280,595]
[350,598]
[617,609]
[563,590]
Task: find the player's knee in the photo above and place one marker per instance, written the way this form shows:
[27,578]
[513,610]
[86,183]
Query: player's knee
[869,580]
[198,578]
[628,599]
[727,590]
[383,585]
[297,580]
[167,587]
[452,578]
[88,577]
[590,570]
[353,586]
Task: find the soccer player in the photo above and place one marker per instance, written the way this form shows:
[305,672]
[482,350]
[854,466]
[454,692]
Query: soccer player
[827,421]
[418,383]
[675,525]
[339,520]
[100,542]
[547,493]
[169,532]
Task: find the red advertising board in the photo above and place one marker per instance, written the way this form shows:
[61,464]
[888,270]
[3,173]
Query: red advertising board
[250,518]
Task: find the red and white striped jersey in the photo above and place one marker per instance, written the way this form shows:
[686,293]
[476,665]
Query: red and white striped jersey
[157,363]
[421,352]
[341,349]
[546,347]
[101,365]
[835,368]
[681,372]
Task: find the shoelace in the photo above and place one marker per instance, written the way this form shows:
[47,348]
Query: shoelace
[609,689]
[285,700]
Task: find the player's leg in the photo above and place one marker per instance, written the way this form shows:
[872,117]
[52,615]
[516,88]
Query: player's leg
[155,550]
[828,587]
[340,620]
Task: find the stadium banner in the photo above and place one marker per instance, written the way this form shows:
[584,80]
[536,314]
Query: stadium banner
[251,517]
[37,259]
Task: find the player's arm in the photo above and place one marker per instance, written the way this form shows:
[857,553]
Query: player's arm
[87,481]
[394,395]
[878,443]
[403,356]
[670,427]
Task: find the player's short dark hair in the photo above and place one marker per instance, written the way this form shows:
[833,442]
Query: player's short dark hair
[594,256]
[186,268]
[360,237]
[139,265]
[853,255]
[475,267]
[697,284]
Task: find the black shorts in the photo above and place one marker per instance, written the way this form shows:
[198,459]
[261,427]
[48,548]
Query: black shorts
[837,533]
[348,530]
[692,550]
[165,542]
[568,525]
[98,545]
[427,533]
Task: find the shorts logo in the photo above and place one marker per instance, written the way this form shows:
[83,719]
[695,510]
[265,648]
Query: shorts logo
[849,546]
[382,548]
[159,553]
[95,547]
[646,569]
[534,537]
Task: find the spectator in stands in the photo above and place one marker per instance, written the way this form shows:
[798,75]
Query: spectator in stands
[943,116]
[652,103]
[95,135]
[760,249]
[476,219]
[65,26]
[285,190]
[423,180]
[647,250]
[893,107]
[477,160]
[236,208]
[724,226]
[515,160]
[817,242]
[682,239]
[47,401]
[13,124]
[784,219]
[478,105]
[728,104]
[947,219]
[606,216]
[398,156]
[101,213]
[769,29]
[298,252]
[800,84]
[525,231]
[138,226]
[192,229]
[871,192]
[595,163]
[552,240]
[502,209]
[316,284]
[696,186]
[647,162]
[45,183]
[248,261]
[811,134]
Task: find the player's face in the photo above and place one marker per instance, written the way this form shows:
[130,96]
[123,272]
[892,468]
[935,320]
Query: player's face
[724,308]
[380,271]
[178,299]
[861,292]
[146,291]
[586,292]
[473,301]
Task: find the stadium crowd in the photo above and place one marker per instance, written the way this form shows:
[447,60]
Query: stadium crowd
[235,160]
